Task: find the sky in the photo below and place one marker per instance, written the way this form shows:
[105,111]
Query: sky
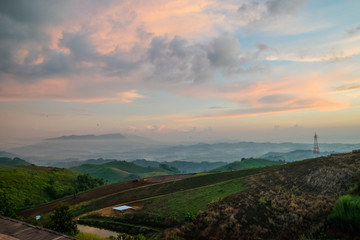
[180,70]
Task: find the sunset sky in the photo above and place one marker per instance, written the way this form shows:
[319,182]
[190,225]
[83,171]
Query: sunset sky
[181,70]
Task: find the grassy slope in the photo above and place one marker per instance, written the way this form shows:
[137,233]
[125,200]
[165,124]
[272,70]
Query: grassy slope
[200,180]
[117,171]
[180,204]
[247,163]
[29,182]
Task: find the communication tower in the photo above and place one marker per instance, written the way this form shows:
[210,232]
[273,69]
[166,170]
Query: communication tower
[316,145]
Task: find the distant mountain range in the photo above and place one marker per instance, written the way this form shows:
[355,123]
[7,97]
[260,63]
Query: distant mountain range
[89,136]
[74,148]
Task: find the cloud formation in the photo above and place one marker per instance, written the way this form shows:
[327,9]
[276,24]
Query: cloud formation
[117,51]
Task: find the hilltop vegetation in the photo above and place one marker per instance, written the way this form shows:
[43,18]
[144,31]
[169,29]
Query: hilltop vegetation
[27,186]
[247,163]
[117,171]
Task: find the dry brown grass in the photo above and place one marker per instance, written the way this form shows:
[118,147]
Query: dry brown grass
[287,204]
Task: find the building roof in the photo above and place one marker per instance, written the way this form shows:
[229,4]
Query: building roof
[12,229]
[122,207]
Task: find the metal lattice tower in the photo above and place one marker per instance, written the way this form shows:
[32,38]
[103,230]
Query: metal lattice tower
[316,145]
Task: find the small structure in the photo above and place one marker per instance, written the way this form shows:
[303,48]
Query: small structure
[316,145]
[122,208]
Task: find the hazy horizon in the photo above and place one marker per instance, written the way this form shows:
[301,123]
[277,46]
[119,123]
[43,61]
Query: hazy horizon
[180,71]
[300,135]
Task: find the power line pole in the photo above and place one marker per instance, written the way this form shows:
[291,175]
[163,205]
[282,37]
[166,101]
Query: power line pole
[316,145]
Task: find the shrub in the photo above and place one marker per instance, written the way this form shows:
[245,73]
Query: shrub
[62,220]
[346,213]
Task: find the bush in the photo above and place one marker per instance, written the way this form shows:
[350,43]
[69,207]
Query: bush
[62,220]
[346,213]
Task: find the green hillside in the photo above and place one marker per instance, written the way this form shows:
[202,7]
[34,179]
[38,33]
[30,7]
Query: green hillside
[117,171]
[27,186]
[183,166]
[247,163]
[13,162]
[287,201]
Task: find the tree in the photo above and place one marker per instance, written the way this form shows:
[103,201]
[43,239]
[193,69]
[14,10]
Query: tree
[85,182]
[62,220]
[7,207]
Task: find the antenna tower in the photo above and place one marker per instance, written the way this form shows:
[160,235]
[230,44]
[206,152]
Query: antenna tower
[316,145]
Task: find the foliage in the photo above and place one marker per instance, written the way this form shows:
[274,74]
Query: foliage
[62,220]
[346,213]
[33,185]
[7,207]
[29,186]
[85,182]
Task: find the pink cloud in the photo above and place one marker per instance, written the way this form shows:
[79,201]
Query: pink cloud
[127,97]
[307,104]
[155,127]
[133,128]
